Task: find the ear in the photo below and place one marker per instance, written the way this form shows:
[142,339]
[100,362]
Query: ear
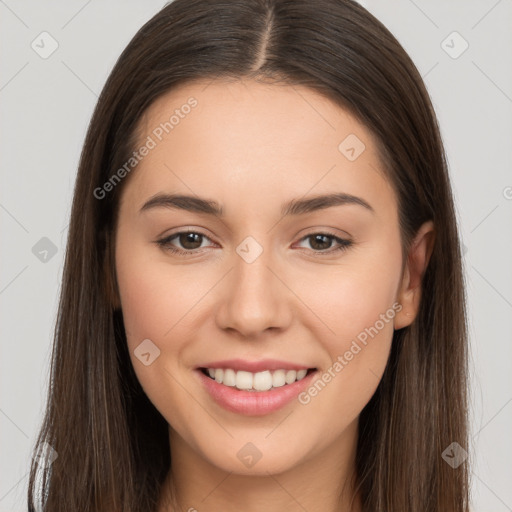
[409,293]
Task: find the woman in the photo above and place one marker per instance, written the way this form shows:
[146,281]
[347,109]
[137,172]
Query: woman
[262,304]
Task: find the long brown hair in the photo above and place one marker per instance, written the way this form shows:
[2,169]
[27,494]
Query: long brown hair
[111,443]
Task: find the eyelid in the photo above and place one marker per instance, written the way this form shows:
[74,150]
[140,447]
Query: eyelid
[164,241]
[343,243]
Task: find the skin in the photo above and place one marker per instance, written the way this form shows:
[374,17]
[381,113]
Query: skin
[251,147]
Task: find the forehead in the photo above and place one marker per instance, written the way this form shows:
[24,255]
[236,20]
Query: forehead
[250,140]
[262,115]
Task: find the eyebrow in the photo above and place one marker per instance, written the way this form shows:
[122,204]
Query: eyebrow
[294,207]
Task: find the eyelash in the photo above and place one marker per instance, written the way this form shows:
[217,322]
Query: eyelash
[165,243]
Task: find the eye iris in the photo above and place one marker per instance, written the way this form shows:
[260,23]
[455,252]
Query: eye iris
[318,238]
[190,240]
[186,238]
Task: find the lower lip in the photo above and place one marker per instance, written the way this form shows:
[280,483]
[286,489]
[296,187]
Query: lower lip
[254,403]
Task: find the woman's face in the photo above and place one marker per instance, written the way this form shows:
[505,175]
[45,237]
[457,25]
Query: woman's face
[263,289]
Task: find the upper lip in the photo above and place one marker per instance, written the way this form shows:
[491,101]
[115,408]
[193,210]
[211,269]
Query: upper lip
[255,366]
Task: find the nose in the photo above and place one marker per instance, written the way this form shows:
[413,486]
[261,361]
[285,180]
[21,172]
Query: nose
[255,298]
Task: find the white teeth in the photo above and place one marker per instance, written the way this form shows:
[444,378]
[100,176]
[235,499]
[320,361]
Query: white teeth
[291,376]
[260,381]
[278,378]
[243,380]
[301,374]
[229,378]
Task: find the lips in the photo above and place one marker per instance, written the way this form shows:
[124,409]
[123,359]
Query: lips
[260,396]
[255,366]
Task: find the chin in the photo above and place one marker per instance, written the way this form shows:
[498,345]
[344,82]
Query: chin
[249,460]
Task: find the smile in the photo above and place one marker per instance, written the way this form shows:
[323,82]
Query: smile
[254,388]
[259,381]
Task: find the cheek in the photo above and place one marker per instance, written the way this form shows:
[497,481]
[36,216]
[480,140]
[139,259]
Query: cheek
[155,296]
[357,302]
[156,307]
[144,312]
[150,307]
[359,348]
[351,297]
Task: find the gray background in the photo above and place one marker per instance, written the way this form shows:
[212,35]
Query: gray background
[45,106]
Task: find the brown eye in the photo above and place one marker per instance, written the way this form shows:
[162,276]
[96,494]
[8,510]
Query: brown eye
[189,242]
[323,242]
